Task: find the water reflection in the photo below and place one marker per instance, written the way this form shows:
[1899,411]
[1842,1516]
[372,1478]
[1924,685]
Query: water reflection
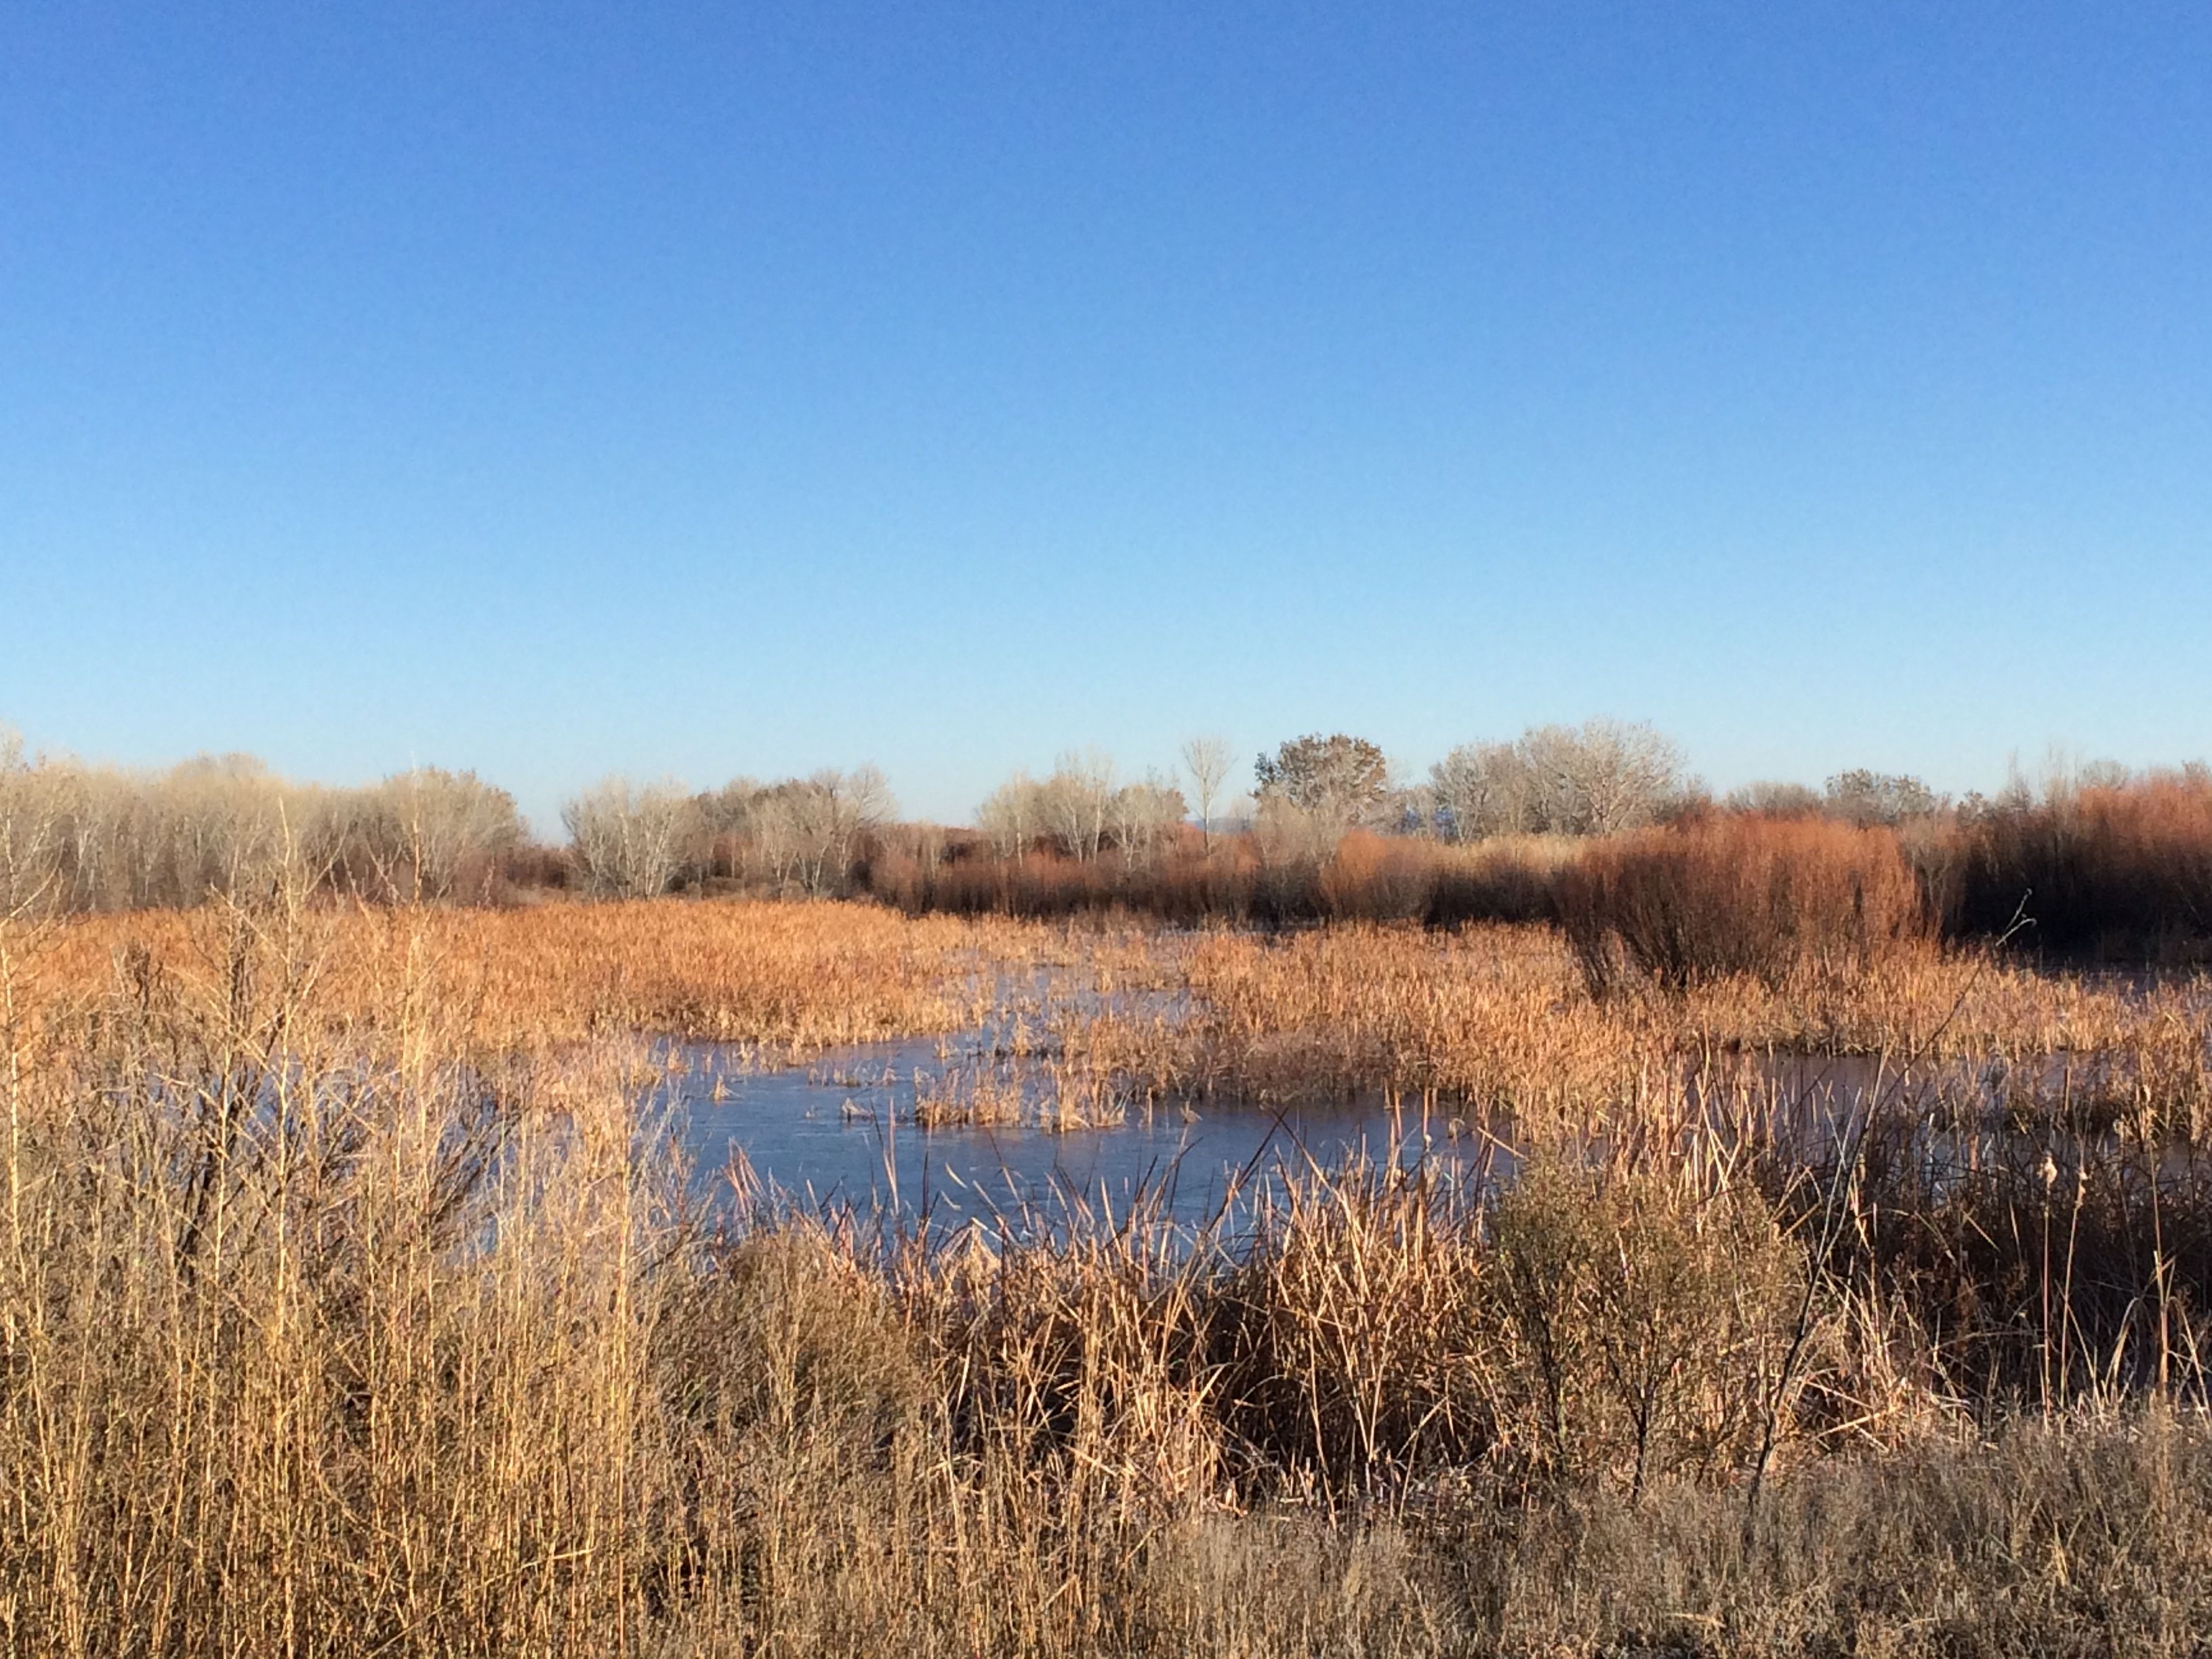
[842,1132]
[965,1129]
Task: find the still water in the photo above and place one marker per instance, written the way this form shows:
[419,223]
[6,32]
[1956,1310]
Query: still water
[848,1130]
[842,1132]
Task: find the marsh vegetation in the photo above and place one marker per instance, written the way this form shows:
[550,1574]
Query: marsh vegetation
[1764,1254]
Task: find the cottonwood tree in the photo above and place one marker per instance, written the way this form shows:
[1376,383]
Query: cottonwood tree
[232,826]
[830,812]
[30,832]
[1143,816]
[1339,780]
[1605,775]
[107,838]
[722,820]
[1010,816]
[1596,779]
[800,832]
[430,835]
[1207,760]
[773,835]
[627,838]
[1864,797]
[1775,799]
[1074,799]
[1482,789]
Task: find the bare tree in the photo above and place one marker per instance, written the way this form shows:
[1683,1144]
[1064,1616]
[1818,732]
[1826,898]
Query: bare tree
[627,838]
[830,812]
[225,826]
[775,835]
[1009,814]
[1074,800]
[1774,798]
[231,826]
[727,826]
[1207,760]
[1863,797]
[1481,790]
[428,834]
[1595,779]
[1143,815]
[1619,775]
[30,832]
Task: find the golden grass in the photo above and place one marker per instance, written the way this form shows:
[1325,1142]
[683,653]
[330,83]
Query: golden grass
[1492,1019]
[1495,1019]
[786,976]
[323,1330]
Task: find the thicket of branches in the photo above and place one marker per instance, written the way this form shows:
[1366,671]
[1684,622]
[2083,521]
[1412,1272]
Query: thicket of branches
[74,837]
[1596,779]
[627,840]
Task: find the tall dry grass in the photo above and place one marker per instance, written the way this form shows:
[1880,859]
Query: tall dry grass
[1495,1023]
[786,976]
[326,1329]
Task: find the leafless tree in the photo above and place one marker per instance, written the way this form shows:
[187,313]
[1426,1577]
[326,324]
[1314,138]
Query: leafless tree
[1144,815]
[1863,797]
[723,823]
[31,833]
[1207,760]
[830,811]
[1011,815]
[427,835]
[231,827]
[1614,775]
[1074,800]
[1598,778]
[1776,799]
[773,836]
[627,838]
[1482,789]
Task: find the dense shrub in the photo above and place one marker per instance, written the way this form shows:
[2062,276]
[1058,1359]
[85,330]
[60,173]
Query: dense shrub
[1362,876]
[1725,894]
[2124,871]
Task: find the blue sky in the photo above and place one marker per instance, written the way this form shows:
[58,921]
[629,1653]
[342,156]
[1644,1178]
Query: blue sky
[699,391]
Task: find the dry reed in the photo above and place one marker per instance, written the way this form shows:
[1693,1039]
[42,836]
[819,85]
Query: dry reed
[347,1307]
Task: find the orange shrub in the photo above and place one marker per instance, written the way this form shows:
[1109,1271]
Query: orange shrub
[1711,897]
[2114,872]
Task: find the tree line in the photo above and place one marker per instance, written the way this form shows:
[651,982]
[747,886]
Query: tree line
[1323,823]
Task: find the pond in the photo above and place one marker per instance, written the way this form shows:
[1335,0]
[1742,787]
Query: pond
[958,1129]
[844,1131]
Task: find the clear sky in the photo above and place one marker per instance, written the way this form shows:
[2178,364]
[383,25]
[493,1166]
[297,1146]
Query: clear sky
[718,389]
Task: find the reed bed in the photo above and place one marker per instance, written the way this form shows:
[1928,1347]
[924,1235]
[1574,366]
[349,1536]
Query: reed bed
[790,977]
[1487,1022]
[1495,1023]
[328,1326]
